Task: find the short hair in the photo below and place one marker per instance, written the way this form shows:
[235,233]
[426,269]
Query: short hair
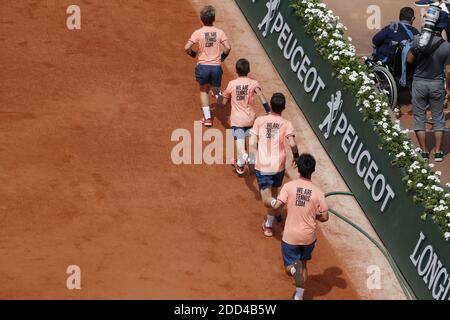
[306,165]
[208,15]
[242,67]
[407,13]
[278,102]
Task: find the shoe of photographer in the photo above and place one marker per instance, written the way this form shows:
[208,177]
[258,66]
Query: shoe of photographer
[439,156]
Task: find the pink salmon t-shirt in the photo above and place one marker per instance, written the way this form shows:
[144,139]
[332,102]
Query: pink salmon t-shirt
[304,201]
[272,132]
[241,91]
[208,39]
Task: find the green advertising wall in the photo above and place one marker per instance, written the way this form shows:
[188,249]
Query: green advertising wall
[417,246]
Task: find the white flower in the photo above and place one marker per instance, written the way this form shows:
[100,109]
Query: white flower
[437,189]
[438,173]
[353,76]
[419,185]
[447,235]
[424,171]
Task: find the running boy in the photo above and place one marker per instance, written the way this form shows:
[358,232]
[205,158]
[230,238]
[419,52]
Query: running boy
[208,71]
[305,204]
[241,91]
[269,136]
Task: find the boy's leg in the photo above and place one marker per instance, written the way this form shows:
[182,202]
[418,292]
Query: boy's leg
[250,162]
[204,100]
[278,215]
[300,273]
[217,93]
[268,186]
[203,78]
[240,151]
[216,82]
[240,145]
[266,196]
[295,261]
[239,135]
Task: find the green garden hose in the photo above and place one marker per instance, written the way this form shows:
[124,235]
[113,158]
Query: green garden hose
[403,283]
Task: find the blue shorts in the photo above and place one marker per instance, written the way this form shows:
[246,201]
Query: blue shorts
[269,180]
[240,133]
[205,74]
[292,254]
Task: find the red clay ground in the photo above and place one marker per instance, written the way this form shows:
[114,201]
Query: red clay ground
[85,124]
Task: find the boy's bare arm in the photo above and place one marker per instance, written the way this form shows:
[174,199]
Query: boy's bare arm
[188,49]
[323,217]
[226,47]
[226,50]
[224,102]
[294,148]
[262,99]
[278,207]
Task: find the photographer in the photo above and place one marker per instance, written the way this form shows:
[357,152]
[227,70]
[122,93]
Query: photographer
[431,57]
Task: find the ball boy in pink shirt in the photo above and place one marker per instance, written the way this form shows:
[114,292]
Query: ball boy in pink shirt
[305,204]
[241,92]
[270,136]
[208,71]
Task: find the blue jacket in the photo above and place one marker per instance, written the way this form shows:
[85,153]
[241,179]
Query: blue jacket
[386,40]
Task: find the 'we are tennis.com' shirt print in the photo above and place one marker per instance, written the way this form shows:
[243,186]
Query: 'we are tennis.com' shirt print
[272,130]
[210,39]
[303,196]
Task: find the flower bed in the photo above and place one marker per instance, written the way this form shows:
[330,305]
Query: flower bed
[328,34]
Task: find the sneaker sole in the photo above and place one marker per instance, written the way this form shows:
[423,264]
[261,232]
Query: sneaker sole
[264,231]
[207,124]
[239,170]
